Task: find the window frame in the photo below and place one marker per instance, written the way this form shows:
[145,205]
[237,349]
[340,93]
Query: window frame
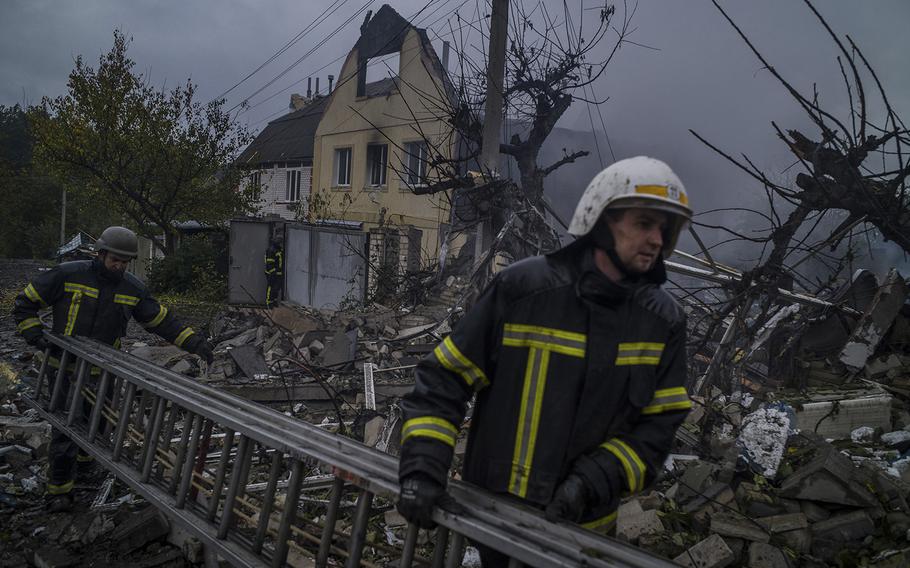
[371,163]
[292,185]
[421,160]
[336,166]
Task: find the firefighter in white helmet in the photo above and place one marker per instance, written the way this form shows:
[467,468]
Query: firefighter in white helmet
[577,360]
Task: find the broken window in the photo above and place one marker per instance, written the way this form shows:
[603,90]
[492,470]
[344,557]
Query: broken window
[342,166]
[415,166]
[383,67]
[292,188]
[377,160]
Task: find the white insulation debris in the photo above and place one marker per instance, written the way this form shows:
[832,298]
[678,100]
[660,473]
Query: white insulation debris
[763,438]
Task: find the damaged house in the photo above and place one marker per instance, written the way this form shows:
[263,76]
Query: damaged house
[375,141]
[341,177]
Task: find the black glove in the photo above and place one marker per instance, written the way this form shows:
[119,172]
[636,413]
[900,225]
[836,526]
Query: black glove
[204,349]
[569,500]
[418,495]
[38,342]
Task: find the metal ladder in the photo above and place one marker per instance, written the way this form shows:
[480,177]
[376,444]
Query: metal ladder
[189,449]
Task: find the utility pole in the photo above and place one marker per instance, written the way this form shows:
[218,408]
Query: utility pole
[492,122]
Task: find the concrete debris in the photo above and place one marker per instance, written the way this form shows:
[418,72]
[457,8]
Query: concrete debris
[711,552]
[632,521]
[876,322]
[763,437]
[763,555]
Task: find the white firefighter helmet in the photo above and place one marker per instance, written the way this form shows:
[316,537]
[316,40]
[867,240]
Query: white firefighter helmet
[639,182]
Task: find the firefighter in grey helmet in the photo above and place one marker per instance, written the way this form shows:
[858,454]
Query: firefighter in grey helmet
[95,299]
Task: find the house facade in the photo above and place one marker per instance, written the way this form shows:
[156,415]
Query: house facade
[375,142]
[280,160]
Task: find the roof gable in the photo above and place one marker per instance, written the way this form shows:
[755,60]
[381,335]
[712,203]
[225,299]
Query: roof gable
[289,138]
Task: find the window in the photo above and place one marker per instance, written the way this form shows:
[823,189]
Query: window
[377,163]
[256,179]
[342,166]
[292,189]
[415,166]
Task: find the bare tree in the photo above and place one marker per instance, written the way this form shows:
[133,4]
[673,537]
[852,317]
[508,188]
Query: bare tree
[855,165]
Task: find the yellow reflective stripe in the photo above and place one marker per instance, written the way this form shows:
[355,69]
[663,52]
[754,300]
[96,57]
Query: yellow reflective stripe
[183,335]
[162,312]
[430,427]
[528,420]
[602,522]
[452,359]
[60,489]
[666,400]
[73,313]
[81,288]
[631,463]
[637,361]
[28,323]
[560,341]
[639,353]
[126,299]
[84,459]
[33,295]
[663,191]
[642,346]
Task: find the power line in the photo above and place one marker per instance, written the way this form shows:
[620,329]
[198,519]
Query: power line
[300,35]
[332,62]
[305,55]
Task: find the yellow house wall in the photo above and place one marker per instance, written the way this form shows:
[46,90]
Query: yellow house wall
[405,115]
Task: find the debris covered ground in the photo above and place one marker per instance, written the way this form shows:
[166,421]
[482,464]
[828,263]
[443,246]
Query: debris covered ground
[807,464]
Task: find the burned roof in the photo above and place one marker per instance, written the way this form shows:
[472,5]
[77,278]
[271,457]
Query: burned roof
[289,138]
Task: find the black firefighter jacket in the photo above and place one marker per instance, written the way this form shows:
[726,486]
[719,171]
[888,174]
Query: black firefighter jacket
[87,304]
[571,372]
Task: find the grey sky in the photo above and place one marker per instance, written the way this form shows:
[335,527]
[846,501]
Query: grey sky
[699,75]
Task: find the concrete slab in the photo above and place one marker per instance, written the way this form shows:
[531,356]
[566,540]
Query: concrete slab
[876,322]
[712,552]
[763,555]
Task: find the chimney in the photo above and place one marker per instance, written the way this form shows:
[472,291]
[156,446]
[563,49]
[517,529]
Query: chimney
[331,79]
[445,56]
[309,87]
[317,86]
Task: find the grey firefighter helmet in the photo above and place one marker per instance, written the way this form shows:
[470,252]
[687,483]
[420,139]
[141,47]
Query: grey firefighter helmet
[120,241]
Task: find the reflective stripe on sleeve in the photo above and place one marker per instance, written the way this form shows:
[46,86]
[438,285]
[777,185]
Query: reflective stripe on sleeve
[452,359]
[28,323]
[183,336]
[126,299]
[640,353]
[631,463]
[430,427]
[666,400]
[603,524]
[162,313]
[33,295]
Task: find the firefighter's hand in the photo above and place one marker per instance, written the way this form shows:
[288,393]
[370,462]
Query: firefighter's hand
[39,342]
[418,495]
[204,350]
[569,500]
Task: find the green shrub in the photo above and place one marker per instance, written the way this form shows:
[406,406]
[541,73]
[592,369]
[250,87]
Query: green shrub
[198,268]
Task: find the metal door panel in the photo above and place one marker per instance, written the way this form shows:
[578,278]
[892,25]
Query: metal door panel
[246,275]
